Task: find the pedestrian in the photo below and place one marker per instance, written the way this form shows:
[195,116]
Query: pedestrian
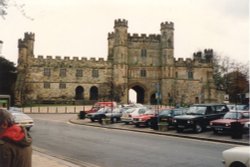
[15,143]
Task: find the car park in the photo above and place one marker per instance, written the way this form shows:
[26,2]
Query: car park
[127,116]
[223,125]
[199,116]
[143,119]
[237,157]
[22,119]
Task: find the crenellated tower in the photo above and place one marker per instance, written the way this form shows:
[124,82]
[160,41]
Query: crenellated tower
[25,57]
[167,43]
[120,56]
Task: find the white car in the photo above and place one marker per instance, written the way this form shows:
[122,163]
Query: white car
[127,116]
[22,119]
[237,157]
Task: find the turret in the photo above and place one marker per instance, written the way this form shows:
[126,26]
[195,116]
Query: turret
[26,49]
[167,42]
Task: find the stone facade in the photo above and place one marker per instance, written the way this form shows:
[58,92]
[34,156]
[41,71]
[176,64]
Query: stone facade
[143,62]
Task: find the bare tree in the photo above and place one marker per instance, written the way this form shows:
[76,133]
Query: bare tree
[5,4]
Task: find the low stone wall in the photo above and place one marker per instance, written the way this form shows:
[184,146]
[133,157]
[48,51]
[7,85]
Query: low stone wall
[55,109]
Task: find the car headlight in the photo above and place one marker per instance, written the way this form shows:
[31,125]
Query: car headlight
[190,121]
[211,124]
[174,120]
[227,124]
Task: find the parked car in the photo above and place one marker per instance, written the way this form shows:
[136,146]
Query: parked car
[234,107]
[15,109]
[143,119]
[99,114]
[99,105]
[127,116]
[115,114]
[237,157]
[22,119]
[246,127]
[167,115]
[223,125]
[199,116]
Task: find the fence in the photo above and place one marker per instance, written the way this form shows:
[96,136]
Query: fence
[55,109]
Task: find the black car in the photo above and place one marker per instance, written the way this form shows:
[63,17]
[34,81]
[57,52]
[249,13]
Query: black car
[198,117]
[166,117]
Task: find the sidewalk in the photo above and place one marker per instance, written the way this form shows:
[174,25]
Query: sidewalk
[43,160]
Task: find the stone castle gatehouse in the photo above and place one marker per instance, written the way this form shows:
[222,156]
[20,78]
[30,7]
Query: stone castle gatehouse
[144,63]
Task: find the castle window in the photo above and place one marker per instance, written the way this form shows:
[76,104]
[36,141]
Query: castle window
[46,72]
[62,72]
[143,73]
[176,74]
[95,73]
[190,75]
[62,85]
[79,73]
[46,85]
[143,53]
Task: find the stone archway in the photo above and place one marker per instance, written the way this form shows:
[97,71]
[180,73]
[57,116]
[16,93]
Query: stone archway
[140,98]
[93,93]
[153,99]
[79,93]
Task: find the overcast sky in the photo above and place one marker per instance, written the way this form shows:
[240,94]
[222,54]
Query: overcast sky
[80,27]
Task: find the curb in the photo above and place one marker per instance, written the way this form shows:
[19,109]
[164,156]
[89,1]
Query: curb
[65,160]
[163,134]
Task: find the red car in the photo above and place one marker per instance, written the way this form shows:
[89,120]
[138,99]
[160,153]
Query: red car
[224,125]
[143,120]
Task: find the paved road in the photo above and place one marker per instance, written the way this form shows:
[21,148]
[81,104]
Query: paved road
[112,148]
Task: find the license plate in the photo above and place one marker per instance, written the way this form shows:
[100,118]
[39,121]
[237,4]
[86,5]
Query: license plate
[219,129]
[181,126]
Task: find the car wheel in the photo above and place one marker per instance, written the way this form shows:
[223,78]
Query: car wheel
[92,119]
[237,164]
[198,128]
[215,131]
[126,123]
[28,128]
[114,119]
[179,130]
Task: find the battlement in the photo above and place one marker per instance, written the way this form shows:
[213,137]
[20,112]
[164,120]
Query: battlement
[66,58]
[121,23]
[29,36]
[167,25]
[22,44]
[111,35]
[150,37]
[207,56]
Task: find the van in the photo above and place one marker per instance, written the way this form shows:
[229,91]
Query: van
[99,105]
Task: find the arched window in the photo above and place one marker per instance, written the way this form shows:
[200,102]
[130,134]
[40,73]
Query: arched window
[93,93]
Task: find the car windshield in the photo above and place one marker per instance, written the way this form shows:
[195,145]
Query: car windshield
[149,112]
[166,112]
[21,117]
[196,110]
[102,110]
[232,115]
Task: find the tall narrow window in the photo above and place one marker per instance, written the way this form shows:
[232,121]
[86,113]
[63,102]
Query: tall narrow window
[79,73]
[95,73]
[46,72]
[190,75]
[62,72]
[176,74]
[143,53]
[143,73]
